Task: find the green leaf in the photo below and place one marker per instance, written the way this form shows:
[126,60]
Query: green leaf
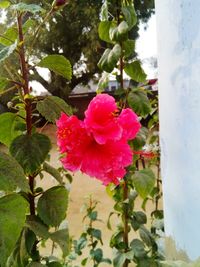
[138,248]
[119,259]
[32,8]
[130,15]
[52,205]
[93,215]
[29,24]
[4,4]
[103,30]
[128,47]
[139,102]
[7,51]
[97,255]
[9,123]
[119,33]
[30,151]
[146,236]
[138,219]
[9,37]
[144,181]
[104,11]
[58,64]
[135,71]
[19,256]
[61,237]
[12,218]
[141,138]
[11,174]
[3,84]
[53,172]
[51,108]
[110,58]
[103,82]
[34,223]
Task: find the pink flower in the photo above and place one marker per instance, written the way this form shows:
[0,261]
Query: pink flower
[129,123]
[101,119]
[98,145]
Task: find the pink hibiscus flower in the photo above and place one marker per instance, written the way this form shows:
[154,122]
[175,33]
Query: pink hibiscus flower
[98,145]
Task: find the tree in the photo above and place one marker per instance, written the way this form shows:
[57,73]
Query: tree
[74,34]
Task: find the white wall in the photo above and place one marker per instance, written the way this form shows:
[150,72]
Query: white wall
[178,29]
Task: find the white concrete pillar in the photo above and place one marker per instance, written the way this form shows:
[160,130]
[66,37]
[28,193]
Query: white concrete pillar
[178,29]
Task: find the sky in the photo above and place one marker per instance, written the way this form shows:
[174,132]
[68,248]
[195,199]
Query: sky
[146,46]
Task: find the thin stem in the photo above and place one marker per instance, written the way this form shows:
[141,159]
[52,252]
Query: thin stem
[125,221]
[25,71]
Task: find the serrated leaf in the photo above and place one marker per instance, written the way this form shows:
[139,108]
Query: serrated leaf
[144,181]
[130,15]
[11,174]
[51,108]
[135,71]
[141,138]
[4,4]
[139,102]
[7,51]
[30,151]
[9,37]
[58,64]
[12,218]
[110,58]
[9,127]
[32,8]
[103,30]
[52,205]
[61,237]
[37,226]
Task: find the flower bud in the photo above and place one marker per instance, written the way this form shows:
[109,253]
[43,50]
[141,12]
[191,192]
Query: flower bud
[59,3]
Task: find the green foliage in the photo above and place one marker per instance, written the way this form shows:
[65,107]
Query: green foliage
[139,102]
[135,71]
[59,64]
[4,4]
[51,108]
[144,181]
[30,151]
[61,237]
[10,125]
[9,36]
[110,58]
[11,174]
[52,205]
[32,8]
[35,224]
[7,51]
[12,219]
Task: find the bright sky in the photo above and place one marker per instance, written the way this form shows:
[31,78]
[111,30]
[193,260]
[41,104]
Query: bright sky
[146,46]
